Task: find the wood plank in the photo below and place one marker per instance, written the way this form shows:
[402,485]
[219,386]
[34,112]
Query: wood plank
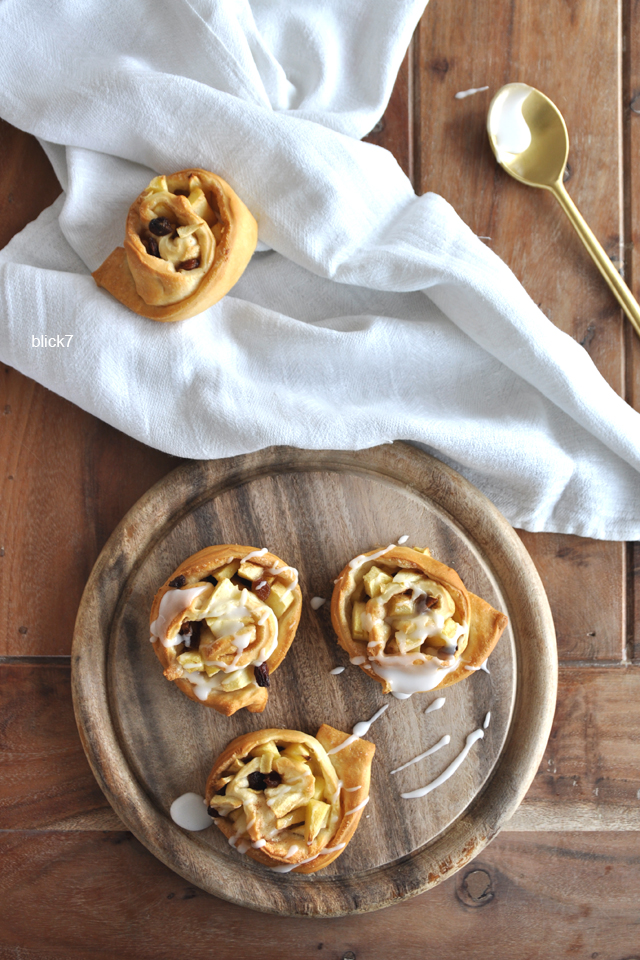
[70,478]
[530,232]
[47,783]
[586,586]
[527,228]
[631,127]
[576,892]
[45,774]
[22,161]
[394,130]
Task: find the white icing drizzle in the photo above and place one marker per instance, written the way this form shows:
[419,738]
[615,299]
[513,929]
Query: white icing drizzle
[487,720]
[404,538]
[258,844]
[255,553]
[336,671]
[436,705]
[482,666]
[461,94]
[359,730]
[409,678]
[451,769]
[353,789]
[371,556]
[356,661]
[287,868]
[173,602]
[438,746]
[359,807]
[291,851]
[188,812]
[317,602]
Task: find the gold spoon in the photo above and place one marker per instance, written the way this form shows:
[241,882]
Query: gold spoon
[529,137]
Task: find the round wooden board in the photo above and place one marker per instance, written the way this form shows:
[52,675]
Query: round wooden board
[147,743]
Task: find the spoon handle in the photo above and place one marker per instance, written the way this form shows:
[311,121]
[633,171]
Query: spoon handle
[620,290]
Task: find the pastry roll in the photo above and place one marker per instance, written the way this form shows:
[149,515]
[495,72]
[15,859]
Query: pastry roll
[222,623]
[409,622]
[290,800]
[188,239]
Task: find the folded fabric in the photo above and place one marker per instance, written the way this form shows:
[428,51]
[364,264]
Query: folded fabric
[368,314]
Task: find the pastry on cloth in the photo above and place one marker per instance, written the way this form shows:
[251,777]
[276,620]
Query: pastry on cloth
[290,800]
[222,623]
[409,622]
[188,239]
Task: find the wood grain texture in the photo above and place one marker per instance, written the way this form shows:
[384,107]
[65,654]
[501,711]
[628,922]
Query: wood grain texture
[529,896]
[104,896]
[534,43]
[327,507]
[588,779]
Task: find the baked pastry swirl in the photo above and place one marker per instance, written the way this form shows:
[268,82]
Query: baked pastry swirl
[188,239]
[290,800]
[409,622]
[222,623]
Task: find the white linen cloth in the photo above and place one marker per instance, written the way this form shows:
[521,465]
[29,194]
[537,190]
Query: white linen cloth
[367,315]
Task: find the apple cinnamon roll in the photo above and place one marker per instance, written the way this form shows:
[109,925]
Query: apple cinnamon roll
[290,800]
[188,239]
[223,622]
[409,622]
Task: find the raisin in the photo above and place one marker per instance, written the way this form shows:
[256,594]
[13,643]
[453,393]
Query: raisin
[185,628]
[256,780]
[424,603]
[261,673]
[192,264]
[272,779]
[161,226]
[152,247]
[261,589]
[178,581]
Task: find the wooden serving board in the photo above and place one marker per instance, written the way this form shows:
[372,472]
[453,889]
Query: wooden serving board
[148,743]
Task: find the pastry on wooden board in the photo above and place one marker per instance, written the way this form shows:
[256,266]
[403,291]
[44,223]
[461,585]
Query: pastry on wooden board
[223,621]
[188,239]
[409,622]
[289,800]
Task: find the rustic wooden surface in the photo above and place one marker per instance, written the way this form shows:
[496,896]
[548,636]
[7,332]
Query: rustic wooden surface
[148,743]
[68,479]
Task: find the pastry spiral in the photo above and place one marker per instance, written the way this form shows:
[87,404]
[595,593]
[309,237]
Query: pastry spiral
[188,239]
[222,623]
[409,622]
[290,800]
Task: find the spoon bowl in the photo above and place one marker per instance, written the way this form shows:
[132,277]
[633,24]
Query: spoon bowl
[529,138]
[522,117]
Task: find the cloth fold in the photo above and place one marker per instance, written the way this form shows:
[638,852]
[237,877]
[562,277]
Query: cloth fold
[367,315]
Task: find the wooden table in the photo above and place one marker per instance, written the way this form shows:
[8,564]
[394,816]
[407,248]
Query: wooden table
[563,878]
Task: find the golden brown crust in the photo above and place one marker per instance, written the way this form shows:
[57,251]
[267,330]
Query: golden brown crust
[485,624]
[152,287]
[194,569]
[351,766]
